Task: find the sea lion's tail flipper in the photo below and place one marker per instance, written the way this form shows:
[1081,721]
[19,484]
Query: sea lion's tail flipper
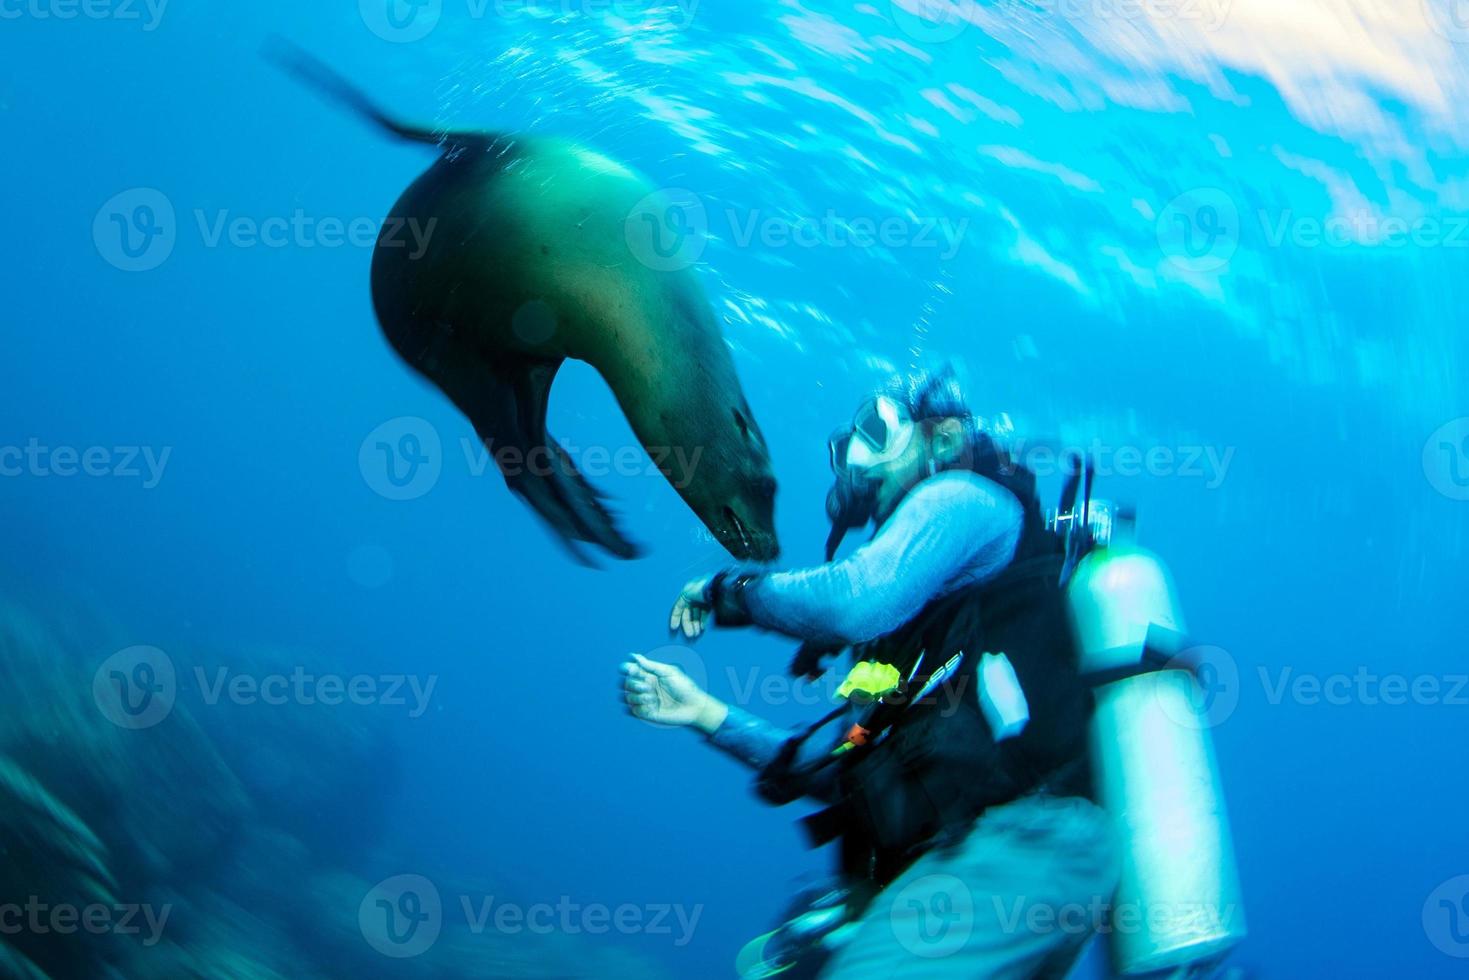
[316,74]
[508,410]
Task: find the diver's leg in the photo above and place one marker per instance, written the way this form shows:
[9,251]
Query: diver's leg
[1018,898]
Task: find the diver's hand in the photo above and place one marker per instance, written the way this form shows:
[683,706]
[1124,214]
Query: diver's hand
[693,609]
[663,694]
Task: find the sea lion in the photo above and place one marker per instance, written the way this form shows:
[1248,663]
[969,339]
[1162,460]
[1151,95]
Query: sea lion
[527,264]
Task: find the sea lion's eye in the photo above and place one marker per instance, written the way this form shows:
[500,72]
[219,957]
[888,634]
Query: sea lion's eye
[740,421]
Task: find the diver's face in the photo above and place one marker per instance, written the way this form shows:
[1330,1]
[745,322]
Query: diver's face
[934,445]
[894,479]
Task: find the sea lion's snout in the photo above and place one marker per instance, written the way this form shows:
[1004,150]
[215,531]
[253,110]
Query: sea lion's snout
[740,507]
[751,537]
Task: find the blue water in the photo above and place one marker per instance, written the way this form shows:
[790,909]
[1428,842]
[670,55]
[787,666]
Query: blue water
[1232,234]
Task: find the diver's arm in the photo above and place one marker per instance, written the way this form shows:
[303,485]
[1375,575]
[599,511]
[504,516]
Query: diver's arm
[665,695]
[756,742]
[954,524]
[746,737]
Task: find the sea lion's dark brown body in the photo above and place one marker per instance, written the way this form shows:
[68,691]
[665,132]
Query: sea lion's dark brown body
[528,261]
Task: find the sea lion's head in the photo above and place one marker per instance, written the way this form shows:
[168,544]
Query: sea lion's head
[735,498]
[720,465]
[739,503]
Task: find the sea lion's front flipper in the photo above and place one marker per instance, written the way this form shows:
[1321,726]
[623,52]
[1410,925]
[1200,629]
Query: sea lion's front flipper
[509,414]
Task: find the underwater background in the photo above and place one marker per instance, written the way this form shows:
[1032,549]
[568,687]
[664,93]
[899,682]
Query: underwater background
[1221,243]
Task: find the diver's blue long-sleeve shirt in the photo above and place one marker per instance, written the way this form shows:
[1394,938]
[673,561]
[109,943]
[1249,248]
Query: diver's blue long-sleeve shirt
[953,530]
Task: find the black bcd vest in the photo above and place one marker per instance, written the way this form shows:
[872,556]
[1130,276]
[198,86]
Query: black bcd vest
[938,765]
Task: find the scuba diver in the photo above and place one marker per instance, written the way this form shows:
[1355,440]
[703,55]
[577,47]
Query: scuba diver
[955,772]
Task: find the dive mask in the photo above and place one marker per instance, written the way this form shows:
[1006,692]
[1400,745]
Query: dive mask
[880,432]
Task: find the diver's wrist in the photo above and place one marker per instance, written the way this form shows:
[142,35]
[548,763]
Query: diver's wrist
[726,597]
[712,714]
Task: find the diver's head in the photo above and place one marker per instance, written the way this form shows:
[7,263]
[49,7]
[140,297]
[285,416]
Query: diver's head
[886,452]
[896,440]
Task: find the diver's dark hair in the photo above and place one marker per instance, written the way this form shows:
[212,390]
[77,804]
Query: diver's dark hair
[934,395]
[937,394]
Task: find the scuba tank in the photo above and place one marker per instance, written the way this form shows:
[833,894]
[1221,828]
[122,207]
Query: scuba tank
[1177,907]
[1152,757]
